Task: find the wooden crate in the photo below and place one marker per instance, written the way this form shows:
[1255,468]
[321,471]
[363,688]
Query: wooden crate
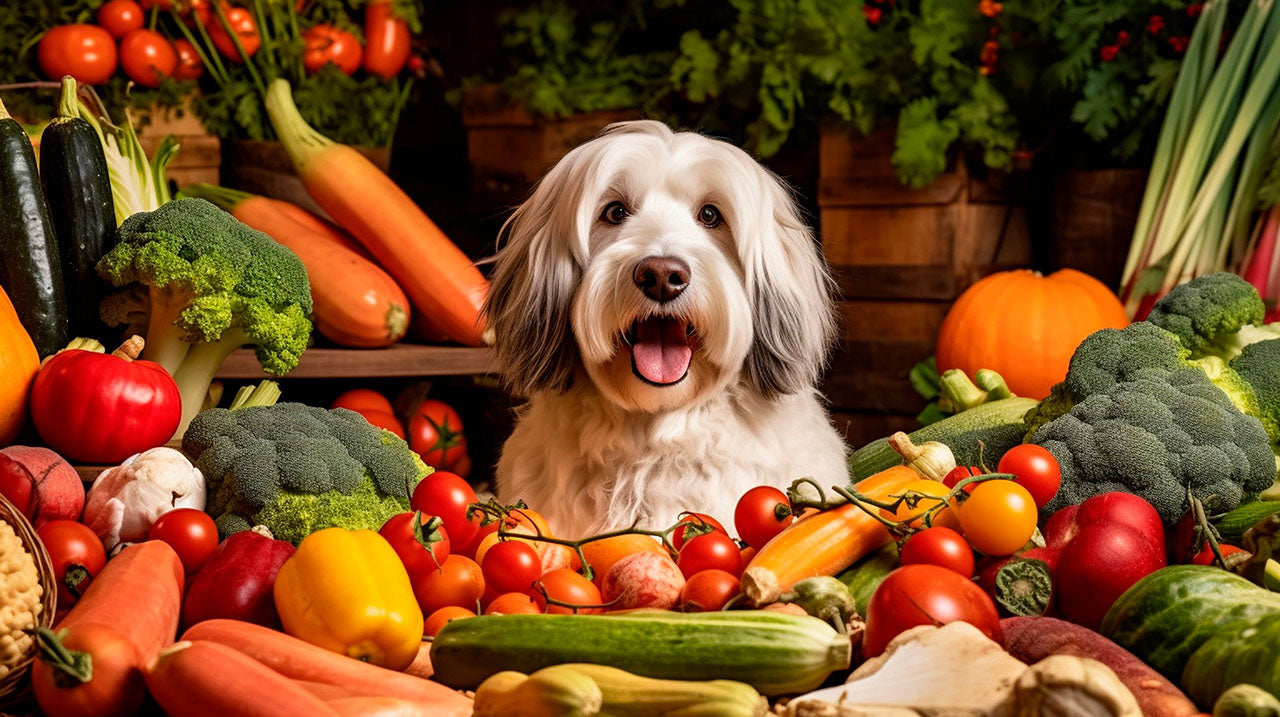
[1092,216]
[200,153]
[900,257]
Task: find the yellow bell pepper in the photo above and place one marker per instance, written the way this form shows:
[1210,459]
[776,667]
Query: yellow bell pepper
[348,592]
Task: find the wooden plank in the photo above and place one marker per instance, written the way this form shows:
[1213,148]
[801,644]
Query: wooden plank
[912,321]
[888,235]
[932,282]
[887,191]
[397,360]
[869,375]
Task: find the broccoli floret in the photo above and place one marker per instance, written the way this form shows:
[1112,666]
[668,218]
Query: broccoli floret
[297,469]
[212,286]
[1158,435]
[1259,366]
[1214,315]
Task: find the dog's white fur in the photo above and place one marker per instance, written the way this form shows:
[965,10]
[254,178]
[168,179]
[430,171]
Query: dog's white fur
[597,448]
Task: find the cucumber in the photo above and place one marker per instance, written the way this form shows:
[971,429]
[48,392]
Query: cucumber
[77,187]
[1234,524]
[773,652]
[1168,615]
[29,269]
[1243,652]
[998,425]
[865,576]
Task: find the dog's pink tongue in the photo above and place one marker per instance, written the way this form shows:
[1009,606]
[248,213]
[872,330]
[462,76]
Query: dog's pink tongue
[661,352]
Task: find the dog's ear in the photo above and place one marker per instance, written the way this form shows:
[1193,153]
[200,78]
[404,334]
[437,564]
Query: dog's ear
[790,291]
[531,294]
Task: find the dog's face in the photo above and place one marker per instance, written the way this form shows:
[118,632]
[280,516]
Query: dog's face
[663,266]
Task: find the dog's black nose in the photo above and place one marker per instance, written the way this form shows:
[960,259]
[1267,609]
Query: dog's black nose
[661,278]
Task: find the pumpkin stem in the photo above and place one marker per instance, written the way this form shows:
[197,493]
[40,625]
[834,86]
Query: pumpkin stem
[130,349]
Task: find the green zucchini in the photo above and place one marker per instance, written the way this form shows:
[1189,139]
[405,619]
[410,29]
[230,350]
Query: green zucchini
[29,269]
[1233,525]
[1246,701]
[77,187]
[773,652]
[865,576]
[1168,615]
[1242,652]
[997,424]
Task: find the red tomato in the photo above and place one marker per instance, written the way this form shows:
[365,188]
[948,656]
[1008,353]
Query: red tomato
[458,582]
[958,474]
[147,57]
[999,517]
[1037,471]
[362,399]
[511,567]
[445,615]
[190,532]
[762,513]
[713,551]
[116,679]
[197,12]
[326,44]
[677,535]
[925,595]
[190,66]
[86,52]
[76,554]
[420,540]
[1206,557]
[162,5]
[512,604]
[567,586]
[939,546]
[241,22]
[435,433]
[387,40]
[447,495]
[121,17]
[383,420]
[708,591]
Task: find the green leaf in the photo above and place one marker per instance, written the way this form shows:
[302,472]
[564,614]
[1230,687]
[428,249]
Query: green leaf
[920,149]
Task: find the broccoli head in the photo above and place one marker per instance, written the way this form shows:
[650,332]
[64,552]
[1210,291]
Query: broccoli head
[1156,435]
[1258,365]
[212,285]
[1214,315]
[297,469]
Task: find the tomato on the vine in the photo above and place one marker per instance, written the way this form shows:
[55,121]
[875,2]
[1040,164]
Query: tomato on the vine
[147,57]
[447,495]
[420,540]
[999,517]
[325,44]
[959,473]
[1206,556]
[762,513]
[120,17]
[1036,470]
[565,585]
[76,554]
[459,582]
[190,532]
[708,591]
[702,520]
[245,28]
[939,546]
[906,513]
[190,66]
[925,595]
[511,567]
[712,551]
[86,52]
[512,604]
[435,434]
[197,12]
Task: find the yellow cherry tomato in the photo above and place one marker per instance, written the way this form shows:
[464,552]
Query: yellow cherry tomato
[999,517]
[906,513]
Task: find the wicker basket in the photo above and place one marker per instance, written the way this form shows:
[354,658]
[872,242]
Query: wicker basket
[15,687]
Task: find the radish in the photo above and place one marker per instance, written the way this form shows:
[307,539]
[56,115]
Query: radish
[1101,562]
[642,580]
[59,486]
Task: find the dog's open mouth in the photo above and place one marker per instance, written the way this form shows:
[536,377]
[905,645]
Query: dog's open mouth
[661,349]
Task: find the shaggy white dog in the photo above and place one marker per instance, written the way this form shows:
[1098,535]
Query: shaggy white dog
[667,313]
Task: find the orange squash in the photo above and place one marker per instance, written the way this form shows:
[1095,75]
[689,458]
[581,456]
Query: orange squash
[18,365]
[1026,326]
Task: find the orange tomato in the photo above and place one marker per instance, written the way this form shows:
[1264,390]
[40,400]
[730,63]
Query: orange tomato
[512,604]
[999,517]
[567,586]
[602,554]
[458,583]
[438,619]
[906,513]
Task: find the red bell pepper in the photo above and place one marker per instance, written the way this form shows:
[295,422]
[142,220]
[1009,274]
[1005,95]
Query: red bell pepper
[237,581]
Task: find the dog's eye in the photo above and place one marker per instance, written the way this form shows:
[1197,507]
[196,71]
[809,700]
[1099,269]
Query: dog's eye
[709,216]
[614,212]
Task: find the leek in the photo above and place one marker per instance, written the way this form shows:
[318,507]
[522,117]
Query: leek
[137,184]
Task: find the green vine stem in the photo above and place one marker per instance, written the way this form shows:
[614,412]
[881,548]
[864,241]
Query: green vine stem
[537,585]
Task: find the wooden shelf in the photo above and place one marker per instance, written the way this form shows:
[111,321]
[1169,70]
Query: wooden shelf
[397,360]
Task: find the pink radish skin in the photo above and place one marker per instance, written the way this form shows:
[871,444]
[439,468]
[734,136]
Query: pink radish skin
[1101,562]
[642,580]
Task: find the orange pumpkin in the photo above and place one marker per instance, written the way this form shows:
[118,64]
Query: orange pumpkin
[1026,326]
[18,365]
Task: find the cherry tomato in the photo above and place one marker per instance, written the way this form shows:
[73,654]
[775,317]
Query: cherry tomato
[190,67]
[362,399]
[925,595]
[906,513]
[708,591]
[197,12]
[713,551]
[163,5]
[1036,470]
[147,57]
[120,17]
[435,434]
[437,620]
[762,513]
[958,474]
[76,554]
[459,582]
[243,25]
[447,495]
[677,535]
[420,540]
[998,518]
[388,40]
[512,604]
[567,586]
[86,52]
[116,681]
[383,420]
[190,532]
[1206,557]
[325,44]
[939,546]
[511,567]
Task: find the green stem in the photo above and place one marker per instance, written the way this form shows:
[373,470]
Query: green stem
[68,102]
[215,72]
[959,393]
[300,139]
[210,47]
[197,371]
[223,197]
[71,668]
[165,343]
[265,393]
[235,40]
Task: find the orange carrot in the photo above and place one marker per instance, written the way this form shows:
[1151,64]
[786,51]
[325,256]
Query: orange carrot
[318,225]
[824,543]
[438,277]
[356,302]
[301,660]
[380,707]
[205,679]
